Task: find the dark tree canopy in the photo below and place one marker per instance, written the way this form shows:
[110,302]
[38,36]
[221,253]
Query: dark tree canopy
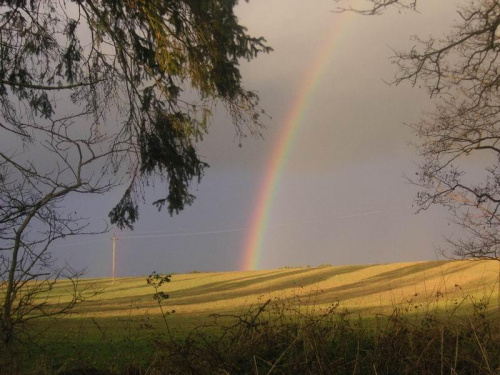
[97,95]
[162,64]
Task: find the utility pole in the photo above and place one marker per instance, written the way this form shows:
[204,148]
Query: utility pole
[114,238]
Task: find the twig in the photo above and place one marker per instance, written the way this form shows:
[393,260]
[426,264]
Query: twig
[282,354]
[485,357]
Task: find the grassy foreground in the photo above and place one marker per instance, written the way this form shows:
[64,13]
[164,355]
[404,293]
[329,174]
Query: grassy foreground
[284,321]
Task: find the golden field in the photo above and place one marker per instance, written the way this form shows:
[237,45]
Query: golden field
[451,304]
[368,289]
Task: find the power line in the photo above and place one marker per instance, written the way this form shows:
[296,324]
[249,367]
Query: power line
[115,238]
[187,233]
[102,239]
[230,230]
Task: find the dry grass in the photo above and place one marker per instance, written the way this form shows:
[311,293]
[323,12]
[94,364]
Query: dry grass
[428,303]
[373,289]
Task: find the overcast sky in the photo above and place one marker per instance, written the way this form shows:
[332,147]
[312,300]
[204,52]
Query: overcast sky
[342,198]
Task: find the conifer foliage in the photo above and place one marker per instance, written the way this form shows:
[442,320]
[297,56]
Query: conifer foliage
[101,94]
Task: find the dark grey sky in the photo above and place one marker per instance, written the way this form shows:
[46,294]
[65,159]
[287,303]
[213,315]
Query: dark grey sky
[349,158]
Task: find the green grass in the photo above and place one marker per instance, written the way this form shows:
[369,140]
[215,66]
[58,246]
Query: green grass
[123,322]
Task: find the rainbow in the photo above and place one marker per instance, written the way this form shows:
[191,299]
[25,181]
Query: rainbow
[281,151]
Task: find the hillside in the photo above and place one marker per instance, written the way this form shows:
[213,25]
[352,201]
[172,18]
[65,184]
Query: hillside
[371,289]
[123,324]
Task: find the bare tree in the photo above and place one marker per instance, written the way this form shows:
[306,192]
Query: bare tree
[96,94]
[461,71]
[32,217]
[374,7]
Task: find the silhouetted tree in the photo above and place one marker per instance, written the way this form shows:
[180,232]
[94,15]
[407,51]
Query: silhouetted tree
[461,71]
[96,94]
